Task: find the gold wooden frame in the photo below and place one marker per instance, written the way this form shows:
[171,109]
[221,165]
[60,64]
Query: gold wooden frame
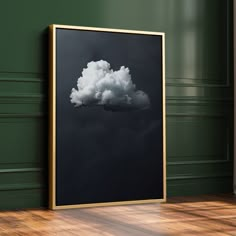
[52,117]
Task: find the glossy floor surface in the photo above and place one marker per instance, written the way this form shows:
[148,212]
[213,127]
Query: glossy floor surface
[203,215]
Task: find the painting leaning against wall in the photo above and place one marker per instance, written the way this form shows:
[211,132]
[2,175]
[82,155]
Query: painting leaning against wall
[107,117]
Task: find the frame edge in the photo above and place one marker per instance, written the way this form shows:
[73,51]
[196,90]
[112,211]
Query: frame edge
[107,204]
[52,118]
[51,106]
[164,117]
[107,29]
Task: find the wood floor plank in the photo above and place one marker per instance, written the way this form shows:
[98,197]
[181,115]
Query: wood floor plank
[202,215]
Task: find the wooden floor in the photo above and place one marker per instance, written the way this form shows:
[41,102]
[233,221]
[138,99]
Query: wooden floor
[205,215]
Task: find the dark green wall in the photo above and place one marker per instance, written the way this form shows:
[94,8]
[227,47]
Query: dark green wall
[198,87]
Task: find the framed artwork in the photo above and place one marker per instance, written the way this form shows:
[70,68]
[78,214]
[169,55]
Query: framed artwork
[107,117]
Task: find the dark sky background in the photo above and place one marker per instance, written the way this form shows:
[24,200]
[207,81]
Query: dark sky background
[105,156]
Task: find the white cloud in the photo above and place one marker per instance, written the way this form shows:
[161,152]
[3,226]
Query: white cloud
[114,90]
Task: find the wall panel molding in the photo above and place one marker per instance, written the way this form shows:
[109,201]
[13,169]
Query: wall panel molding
[10,187]
[23,115]
[22,75]
[188,177]
[22,98]
[20,170]
[22,80]
[196,115]
[203,162]
[196,100]
[196,82]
